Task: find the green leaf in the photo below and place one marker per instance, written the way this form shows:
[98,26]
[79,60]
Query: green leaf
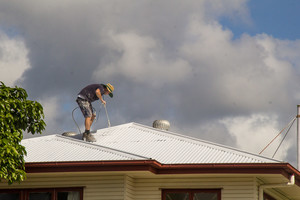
[17,114]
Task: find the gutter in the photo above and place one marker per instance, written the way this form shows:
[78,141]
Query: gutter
[288,184]
[156,167]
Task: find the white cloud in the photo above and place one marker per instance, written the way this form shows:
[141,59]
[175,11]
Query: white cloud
[253,133]
[51,108]
[142,60]
[13,59]
[245,71]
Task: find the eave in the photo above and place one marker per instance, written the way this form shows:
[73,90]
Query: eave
[284,169]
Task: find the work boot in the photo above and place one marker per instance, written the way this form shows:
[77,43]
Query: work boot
[90,138]
[84,134]
[87,136]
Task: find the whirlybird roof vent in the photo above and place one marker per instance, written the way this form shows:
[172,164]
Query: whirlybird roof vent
[161,124]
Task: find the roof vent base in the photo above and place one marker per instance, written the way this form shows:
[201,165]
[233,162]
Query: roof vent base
[69,134]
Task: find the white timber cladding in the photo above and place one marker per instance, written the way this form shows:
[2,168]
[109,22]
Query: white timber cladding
[231,188]
[95,187]
[124,187]
[129,188]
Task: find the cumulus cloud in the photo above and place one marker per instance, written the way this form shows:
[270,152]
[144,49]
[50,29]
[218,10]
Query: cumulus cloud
[51,108]
[143,61]
[244,72]
[13,59]
[253,133]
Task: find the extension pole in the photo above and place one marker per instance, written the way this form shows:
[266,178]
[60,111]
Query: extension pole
[298,137]
[107,115]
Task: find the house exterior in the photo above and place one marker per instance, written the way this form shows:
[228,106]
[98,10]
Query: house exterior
[137,162]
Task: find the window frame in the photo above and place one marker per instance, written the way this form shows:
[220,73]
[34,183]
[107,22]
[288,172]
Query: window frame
[191,192]
[24,193]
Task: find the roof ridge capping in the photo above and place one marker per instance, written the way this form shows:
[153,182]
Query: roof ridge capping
[194,140]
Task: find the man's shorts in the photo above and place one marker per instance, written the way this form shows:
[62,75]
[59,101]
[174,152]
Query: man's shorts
[86,107]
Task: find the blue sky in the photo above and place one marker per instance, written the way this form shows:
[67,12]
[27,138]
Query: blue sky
[279,19]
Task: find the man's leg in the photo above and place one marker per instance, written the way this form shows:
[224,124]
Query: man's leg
[92,119]
[87,135]
[86,109]
[89,121]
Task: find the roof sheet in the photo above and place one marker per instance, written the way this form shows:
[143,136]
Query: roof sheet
[171,148]
[56,148]
[134,141]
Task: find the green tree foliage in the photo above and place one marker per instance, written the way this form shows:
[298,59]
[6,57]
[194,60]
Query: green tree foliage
[17,114]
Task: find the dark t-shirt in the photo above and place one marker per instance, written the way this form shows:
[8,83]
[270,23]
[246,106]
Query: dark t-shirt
[89,92]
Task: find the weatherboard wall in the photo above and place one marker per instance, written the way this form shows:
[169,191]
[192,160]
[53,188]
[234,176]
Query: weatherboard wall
[129,188]
[125,187]
[231,188]
[95,187]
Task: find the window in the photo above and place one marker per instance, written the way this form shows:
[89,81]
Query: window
[191,194]
[43,194]
[10,196]
[39,196]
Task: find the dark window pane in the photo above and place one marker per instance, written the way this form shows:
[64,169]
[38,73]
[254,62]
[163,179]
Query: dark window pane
[68,196]
[177,196]
[40,196]
[9,196]
[268,197]
[205,196]
[62,196]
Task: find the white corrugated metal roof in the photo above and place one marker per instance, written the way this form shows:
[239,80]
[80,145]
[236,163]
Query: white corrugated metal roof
[137,142]
[171,148]
[56,148]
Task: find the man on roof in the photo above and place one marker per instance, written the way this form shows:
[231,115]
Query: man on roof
[84,100]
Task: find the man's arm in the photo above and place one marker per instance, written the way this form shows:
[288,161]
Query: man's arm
[98,93]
